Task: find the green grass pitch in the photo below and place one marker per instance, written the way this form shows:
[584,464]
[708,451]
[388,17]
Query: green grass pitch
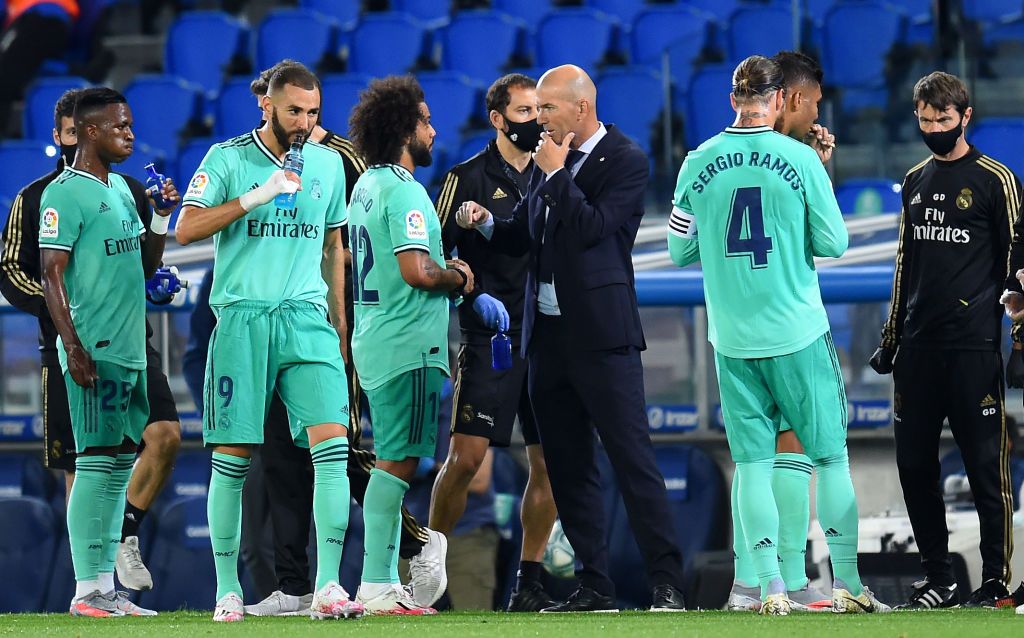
[711,624]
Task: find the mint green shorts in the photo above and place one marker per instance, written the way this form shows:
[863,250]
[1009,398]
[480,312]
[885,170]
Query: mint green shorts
[116,407]
[804,390]
[403,413]
[256,349]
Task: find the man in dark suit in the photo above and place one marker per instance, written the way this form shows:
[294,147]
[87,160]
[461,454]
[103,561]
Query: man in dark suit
[582,335]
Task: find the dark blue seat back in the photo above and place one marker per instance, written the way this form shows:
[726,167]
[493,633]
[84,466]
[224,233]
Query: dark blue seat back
[473,143]
[708,111]
[340,94]
[760,30]
[23,161]
[869,196]
[222,36]
[190,156]
[343,11]
[867,27]
[632,99]
[23,475]
[236,111]
[162,106]
[529,10]
[181,558]
[299,34]
[40,99]
[473,32]
[453,100]
[384,44]
[680,30]
[28,540]
[577,36]
[622,10]
[1000,138]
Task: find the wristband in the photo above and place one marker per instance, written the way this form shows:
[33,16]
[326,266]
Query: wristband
[159,224]
[465,279]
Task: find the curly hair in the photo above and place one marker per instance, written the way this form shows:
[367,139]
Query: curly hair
[385,118]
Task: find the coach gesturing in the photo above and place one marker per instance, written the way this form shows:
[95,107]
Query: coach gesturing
[582,334]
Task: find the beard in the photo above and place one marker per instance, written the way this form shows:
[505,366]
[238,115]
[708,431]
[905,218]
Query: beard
[283,137]
[420,153]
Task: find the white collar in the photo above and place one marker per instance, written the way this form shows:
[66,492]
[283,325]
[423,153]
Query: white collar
[588,146]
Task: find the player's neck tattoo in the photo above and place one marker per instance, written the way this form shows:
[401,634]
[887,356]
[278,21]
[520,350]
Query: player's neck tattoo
[747,117]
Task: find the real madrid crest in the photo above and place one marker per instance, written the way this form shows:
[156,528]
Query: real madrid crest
[315,190]
[964,199]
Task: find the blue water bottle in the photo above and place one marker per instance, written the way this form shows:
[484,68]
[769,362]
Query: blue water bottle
[155,185]
[292,164]
[501,351]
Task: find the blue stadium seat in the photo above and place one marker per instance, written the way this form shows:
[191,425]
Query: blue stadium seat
[182,539]
[430,12]
[61,588]
[720,10]
[871,29]
[680,30]
[190,476]
[472,144]
[869,196]
[162,106]
[453,100]
[190,155]
[529,10]
[40,98]
[385,43]
[470,33]
[28,540]
[1011,31]
[989,11]
[632,99]
[24,475]
[622,10]
[23,162]
[341,92]
[345,12]
[1000,138]
[708,110]
[236,111]
[223,38]
[573,36]
[815,9]
[299,34]
[759,30]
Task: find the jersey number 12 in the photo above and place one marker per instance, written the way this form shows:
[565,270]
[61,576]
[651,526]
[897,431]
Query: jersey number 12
[745,236]
[362,264]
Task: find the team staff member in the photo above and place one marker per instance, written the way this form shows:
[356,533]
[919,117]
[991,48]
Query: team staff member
[20,282]
[289,472]
[487,401]
[959,208]
[582,333]
[95,255]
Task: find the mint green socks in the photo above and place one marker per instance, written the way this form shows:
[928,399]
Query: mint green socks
[837,513]
[330,506]
[744,573]
[791,483]
[113,512]
[86,505]
[760,521]
[382,507]
[224,512]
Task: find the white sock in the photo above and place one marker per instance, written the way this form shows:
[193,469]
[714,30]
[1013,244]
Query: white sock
[106,583]
[372,590]
[86,587]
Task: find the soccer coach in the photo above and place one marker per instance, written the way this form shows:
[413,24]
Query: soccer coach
[582,335]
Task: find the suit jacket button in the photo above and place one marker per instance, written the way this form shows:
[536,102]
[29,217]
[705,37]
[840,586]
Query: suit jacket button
[549,199]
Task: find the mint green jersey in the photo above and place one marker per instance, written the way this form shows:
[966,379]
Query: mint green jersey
[99,225]
[269,255]
[398,327]
[755,207]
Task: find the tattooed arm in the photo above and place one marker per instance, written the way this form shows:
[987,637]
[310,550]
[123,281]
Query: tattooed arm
[419,270]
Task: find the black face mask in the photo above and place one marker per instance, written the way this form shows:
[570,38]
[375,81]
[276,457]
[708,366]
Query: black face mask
[524,135]
[68,153]
[943,142]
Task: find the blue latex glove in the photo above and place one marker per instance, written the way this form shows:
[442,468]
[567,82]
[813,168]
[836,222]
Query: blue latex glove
[163,285]
[492,312]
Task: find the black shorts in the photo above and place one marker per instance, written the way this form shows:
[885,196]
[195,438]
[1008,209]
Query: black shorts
[487,401]
[58,439]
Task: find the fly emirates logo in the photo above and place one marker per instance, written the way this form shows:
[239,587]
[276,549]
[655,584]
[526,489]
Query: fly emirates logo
[934,228]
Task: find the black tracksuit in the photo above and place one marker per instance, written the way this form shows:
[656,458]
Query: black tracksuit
[945,318]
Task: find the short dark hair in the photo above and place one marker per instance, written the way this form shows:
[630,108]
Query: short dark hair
[386,116]
[500,94]
[261,83]
[95,99]
[295,74]
[65,106]
[756,77]
[798,68]
[940,91]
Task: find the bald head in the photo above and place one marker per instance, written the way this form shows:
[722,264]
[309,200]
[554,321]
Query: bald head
[567,99]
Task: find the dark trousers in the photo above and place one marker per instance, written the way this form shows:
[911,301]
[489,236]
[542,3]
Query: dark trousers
[967,388]
[288,470]
[573,394]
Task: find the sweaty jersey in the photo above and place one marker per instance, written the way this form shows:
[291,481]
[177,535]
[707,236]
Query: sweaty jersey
[98,223]
[269,255]
[951,264]
[755,207]
[398,327]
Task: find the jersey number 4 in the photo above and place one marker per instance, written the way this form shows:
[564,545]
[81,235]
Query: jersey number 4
[362,264]
[745,236]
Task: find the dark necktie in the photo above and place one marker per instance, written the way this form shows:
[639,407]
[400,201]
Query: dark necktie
[547,249]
